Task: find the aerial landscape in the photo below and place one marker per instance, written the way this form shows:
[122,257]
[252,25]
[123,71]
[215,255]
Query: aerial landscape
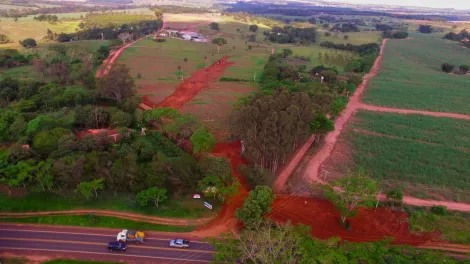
[217,131]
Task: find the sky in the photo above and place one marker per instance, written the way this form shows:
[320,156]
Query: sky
[457,4]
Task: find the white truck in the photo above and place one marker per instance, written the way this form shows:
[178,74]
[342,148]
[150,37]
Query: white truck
[130,236]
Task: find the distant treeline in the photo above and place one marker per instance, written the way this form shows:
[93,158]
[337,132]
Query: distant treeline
[303,10]
[69,8]
[364,49]
[137,30]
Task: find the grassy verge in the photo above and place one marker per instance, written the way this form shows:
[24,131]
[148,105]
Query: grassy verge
[96,221]
[176,206]
[454,228]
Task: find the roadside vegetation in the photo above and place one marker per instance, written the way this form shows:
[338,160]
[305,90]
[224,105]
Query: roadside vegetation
[96,221]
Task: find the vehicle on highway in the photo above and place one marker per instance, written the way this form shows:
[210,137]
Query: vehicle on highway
[117,246]
[130,236]
[179,243]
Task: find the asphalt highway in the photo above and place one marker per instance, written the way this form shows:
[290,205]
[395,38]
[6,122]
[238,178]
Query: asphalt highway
[91,244]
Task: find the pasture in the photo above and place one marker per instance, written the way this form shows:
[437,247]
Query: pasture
[26,28]
[411,77]
[425,156]
[355,38]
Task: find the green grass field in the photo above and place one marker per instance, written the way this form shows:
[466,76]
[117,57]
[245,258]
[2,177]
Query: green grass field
[410,76]
[413,149]
[96,221]
[355,38]
[177,207]
[28,28]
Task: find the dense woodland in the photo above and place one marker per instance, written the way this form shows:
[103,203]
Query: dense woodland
[294,103]
[289,34]
[65,8]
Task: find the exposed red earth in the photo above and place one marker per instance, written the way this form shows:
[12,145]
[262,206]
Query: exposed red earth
[191,86]
[368,225]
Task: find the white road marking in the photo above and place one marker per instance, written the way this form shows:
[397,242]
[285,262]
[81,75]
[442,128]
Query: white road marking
[89,234]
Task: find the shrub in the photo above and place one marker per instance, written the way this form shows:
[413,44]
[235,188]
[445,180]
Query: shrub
[395,196]
[447,67]
[346,37]
[229,79]
[29,43]
[439,210]
[327,34]
[339,104]
[463,69]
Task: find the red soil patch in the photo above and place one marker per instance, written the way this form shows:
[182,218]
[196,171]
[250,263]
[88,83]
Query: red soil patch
[191,86]
[369,224]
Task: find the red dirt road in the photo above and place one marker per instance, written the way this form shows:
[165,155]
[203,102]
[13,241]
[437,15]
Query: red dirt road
[225,221]
[290,167]
[187,90]
[312,171]
[113,57]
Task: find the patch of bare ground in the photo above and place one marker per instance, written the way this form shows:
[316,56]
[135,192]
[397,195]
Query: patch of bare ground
[156,92]
[213,105]
[296,183]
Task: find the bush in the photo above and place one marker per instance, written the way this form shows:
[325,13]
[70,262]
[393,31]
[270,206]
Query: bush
[395,196]
[339,104]
[229,79]
[447,67]
[439,210]
[327,34]
[29,43]
[463,69]
[346,37]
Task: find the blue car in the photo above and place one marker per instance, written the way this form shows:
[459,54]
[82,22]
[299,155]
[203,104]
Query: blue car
[117,246]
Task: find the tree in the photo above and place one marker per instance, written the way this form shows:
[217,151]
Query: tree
[463,69]
[256,175]
[87,188]
[214,26]
[352,191]
[44,176]
[125,36]
[203,141]
[265,242]
[210,185]
[321,124]
[312,20]
[286,53]
[153,194]
[101,54]
[395,196]
[118,84]
[121,119]
[219,42]
[29,43]
[346,37]
[4,39]
[447,67]
[255,205]
[265,118]
[426,29]
[253,28]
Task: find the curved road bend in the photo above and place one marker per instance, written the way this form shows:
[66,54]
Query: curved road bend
[91,244]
